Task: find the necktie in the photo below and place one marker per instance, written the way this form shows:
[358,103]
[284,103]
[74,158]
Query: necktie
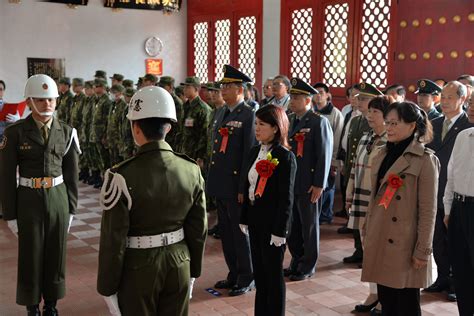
[295,123]
[445,130]
[226,112]
[44,132]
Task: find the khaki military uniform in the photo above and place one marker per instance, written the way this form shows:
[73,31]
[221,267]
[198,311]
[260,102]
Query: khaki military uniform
[98,131]
[64,105]
[152,281]
[42,214]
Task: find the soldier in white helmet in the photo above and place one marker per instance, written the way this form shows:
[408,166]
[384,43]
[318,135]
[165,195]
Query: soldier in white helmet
[41,208]
[154,222]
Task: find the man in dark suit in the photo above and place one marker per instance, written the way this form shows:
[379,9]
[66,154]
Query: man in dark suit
[445,129]
[311,141]
[234,135]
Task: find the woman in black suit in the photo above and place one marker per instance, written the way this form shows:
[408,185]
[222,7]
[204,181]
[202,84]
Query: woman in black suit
[267,206]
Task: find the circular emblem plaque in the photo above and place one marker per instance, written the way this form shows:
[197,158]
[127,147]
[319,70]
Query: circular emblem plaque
[153,46]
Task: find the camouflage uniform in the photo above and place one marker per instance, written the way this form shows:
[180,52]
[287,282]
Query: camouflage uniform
[127,144]
[98,131]
[113,125]
[64,102]
[85,131]
[175,133]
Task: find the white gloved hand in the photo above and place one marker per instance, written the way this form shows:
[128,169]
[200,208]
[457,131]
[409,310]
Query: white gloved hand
[12,118]
[277,241]
[191,286]
[13,226]
[112,304]
[71,217]
[244,228]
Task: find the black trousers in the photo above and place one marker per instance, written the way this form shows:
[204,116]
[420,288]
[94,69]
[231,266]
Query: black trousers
[440,248]
[461,250]
[235,244]
[399,302]
[267,264]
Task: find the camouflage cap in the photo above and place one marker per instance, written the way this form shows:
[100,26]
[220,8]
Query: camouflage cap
[151,78]
[192,81]
[166,80]
[100,74]
[127,83]
[117,88]
[99,82]
[78,82]
[89,84]
[117,77]
[139,81]
[129,92]
[179,90]
[65,80]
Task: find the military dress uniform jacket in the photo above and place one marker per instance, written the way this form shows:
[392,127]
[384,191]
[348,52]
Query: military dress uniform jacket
[358,126]
[444,148]
[226,174]
[314,165]
[164,191]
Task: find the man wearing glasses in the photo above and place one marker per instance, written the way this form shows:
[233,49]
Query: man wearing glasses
[267,91]
[280,87]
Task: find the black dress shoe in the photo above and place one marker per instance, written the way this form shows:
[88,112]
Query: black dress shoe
[33,310]
[375,312]
[300,276]
[50,311]
[361,308]
[240,290]
[355,258]
[224,284]
[344,230]
[288,271]
[438,286]
[341,213]
[452,296]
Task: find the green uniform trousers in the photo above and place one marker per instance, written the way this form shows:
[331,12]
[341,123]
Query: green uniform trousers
[155,281]
[43,219]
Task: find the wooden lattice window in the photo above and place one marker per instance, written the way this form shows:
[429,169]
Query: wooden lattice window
[301,43]
[247,48]
[201,50]
[222,46]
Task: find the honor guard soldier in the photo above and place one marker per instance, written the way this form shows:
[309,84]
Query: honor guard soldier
[311,140]
[167,83]
[234,136]
[65,100]
[41,208]
[154,222]
[425,95]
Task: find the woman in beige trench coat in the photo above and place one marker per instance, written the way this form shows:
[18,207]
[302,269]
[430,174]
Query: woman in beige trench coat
[402,210]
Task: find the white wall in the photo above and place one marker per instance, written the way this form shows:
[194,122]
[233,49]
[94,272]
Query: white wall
[89,38]
[271,39]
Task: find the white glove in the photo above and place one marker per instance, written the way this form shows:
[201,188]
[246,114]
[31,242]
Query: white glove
[12,118]
[244,228]
[71,217]
[277,241]
[112,304]
[13,226]
[191,286]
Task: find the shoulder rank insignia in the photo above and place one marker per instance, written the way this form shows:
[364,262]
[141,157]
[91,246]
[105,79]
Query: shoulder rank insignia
[112,189]
[3,143]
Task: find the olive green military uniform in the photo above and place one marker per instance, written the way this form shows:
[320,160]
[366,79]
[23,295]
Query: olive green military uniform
[152,281]
[98,135]
[114,130]
[127,144]
[174,135]
[64,105]
[76,121]
[42,214]
[195,124]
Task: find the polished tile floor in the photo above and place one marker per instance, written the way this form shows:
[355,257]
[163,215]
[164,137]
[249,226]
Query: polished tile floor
[334,290]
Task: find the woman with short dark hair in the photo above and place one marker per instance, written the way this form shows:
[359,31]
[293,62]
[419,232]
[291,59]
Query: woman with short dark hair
[267,207]
[402,210]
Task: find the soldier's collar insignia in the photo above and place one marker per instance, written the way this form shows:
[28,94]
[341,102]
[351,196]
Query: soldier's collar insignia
[3,143]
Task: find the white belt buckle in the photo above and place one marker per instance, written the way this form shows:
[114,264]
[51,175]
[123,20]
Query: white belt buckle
[164,239]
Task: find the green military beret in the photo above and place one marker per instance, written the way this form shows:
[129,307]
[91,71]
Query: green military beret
[368,89]
[151,78]
[298,86]
[78,82]
[117,88]
[65,80]
[100,74]
[129,92]
[127,83]
[99,82]
[426,86]
[192,81]
[117,77]
[89,84]
[166,80]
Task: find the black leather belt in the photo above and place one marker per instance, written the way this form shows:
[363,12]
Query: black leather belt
[463,198]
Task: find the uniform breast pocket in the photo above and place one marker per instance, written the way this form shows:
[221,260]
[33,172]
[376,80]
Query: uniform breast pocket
[58,151]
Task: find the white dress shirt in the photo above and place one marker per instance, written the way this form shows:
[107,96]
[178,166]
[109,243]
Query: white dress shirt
[460,169]
[253,174]
[453,120]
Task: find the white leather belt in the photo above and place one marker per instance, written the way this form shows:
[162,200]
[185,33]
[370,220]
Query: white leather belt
[145,242]
[41,183]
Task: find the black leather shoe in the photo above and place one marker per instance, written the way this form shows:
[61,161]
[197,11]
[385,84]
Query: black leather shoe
[452,296]
[236,290]
[33,310]
[375,312]
[361,308]
[299,276]
[50,311]
[341,213]
[438,286]
[288,271]
[355,258]
[224,284]
[344,230]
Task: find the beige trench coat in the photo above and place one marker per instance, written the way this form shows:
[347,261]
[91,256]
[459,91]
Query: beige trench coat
[405,229]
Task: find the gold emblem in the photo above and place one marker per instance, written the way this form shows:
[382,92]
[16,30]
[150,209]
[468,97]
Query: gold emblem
[294,81]
[3,143]
[422,84]
[224,68]
[45,86]
[362,86]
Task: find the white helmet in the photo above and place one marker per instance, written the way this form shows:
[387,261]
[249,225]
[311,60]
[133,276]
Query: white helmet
[41,87]
[151,102]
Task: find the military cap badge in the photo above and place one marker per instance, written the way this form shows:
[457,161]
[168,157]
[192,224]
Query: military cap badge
[362,85]
[45,86]
[294,82]
[422,83]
